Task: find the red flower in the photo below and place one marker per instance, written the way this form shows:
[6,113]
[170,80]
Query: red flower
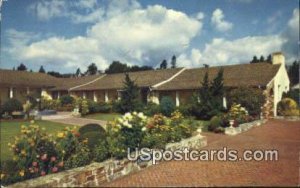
[54,169]
[53,159]
[34,163]
[61,164]
[44,157]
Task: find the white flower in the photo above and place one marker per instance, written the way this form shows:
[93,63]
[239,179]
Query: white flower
[134,113]
[140,115]
[144,129]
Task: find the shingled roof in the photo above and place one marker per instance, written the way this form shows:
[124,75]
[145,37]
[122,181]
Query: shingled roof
[141,78]
[258,74]
[24,78]
[68,83]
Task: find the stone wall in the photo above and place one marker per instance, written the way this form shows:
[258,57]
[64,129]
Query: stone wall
[97,174]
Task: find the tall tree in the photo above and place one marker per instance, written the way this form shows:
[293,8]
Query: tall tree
[293,72]
[42,70]
[117,67]
[269,58]
[164,64]
[78,72]
[22,67]
[173,62]
[261,59]
[254,60]
[92,69]
[217,91]
[130,95]
[204,90]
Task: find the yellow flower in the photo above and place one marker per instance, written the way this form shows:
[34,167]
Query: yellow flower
[32,121]
[60,135]
[2,175]
[22,173]
[23,152]
[15,158]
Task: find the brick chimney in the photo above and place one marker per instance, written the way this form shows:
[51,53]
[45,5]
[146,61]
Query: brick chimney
[278,58]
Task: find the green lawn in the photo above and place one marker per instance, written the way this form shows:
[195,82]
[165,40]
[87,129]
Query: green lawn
[11,129]
[104,116]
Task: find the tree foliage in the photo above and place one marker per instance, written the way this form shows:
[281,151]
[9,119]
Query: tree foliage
[129,96]
[164,64]
[173,62]
[92,69]
[293,72]
[42,70]
[22,67]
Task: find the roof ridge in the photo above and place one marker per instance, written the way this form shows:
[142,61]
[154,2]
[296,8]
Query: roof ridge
[96,79]
[168,80]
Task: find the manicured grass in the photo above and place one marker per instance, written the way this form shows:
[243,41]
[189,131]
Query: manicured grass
[104,116]
[11,129]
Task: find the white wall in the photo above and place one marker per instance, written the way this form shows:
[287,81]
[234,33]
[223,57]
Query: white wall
[281,84]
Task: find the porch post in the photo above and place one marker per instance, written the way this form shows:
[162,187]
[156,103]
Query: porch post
[177,99]
[224,103]
[11,92]
[58,94]
[27,92]
[106,96]
[84,95]
[95,96]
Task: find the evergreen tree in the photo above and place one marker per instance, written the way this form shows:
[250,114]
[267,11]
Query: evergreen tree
[117,67]
[164,64]
[78,73]
[204,90]
[42,70]
[254,60]
[261,59]
[130,96]
[217,91]
[173,62]
[22,67]
[269,58]
[92,69]
[293,72]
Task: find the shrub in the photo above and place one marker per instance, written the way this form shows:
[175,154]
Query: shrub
[151,109]
[32,100]
[81,157]
[92,139]
[12,105]
[8,172]
[167,106]
[66,99]
[293,94]
[84,107]
[250,98]
[101,151]
[93,106]
[91,128]
[288,107]
[214,123]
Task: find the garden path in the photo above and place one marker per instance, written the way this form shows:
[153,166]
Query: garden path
[67,118]
[281,135]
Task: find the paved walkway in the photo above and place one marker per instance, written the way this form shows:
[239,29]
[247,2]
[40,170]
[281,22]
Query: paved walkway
[67,118]
[281,135]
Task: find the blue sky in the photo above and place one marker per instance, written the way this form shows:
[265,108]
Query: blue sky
[64,35]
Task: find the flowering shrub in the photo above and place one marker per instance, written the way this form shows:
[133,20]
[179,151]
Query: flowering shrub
[288,107]
[36,153]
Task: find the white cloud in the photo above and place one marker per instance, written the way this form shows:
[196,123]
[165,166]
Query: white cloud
[136,35]
[45,10]
[218,21]
[291,34]
[221,51]
[200,15]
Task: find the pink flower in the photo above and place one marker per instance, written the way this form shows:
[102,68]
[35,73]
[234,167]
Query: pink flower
[34,163]
[54,169]
[61,164]
[44,157]
[36,170]
[53,159]
[43,173]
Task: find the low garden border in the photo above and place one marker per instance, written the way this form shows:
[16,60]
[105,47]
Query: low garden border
[97,174]
[244,127]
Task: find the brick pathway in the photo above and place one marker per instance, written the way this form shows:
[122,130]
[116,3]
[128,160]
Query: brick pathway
[67,118]
[281,135]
